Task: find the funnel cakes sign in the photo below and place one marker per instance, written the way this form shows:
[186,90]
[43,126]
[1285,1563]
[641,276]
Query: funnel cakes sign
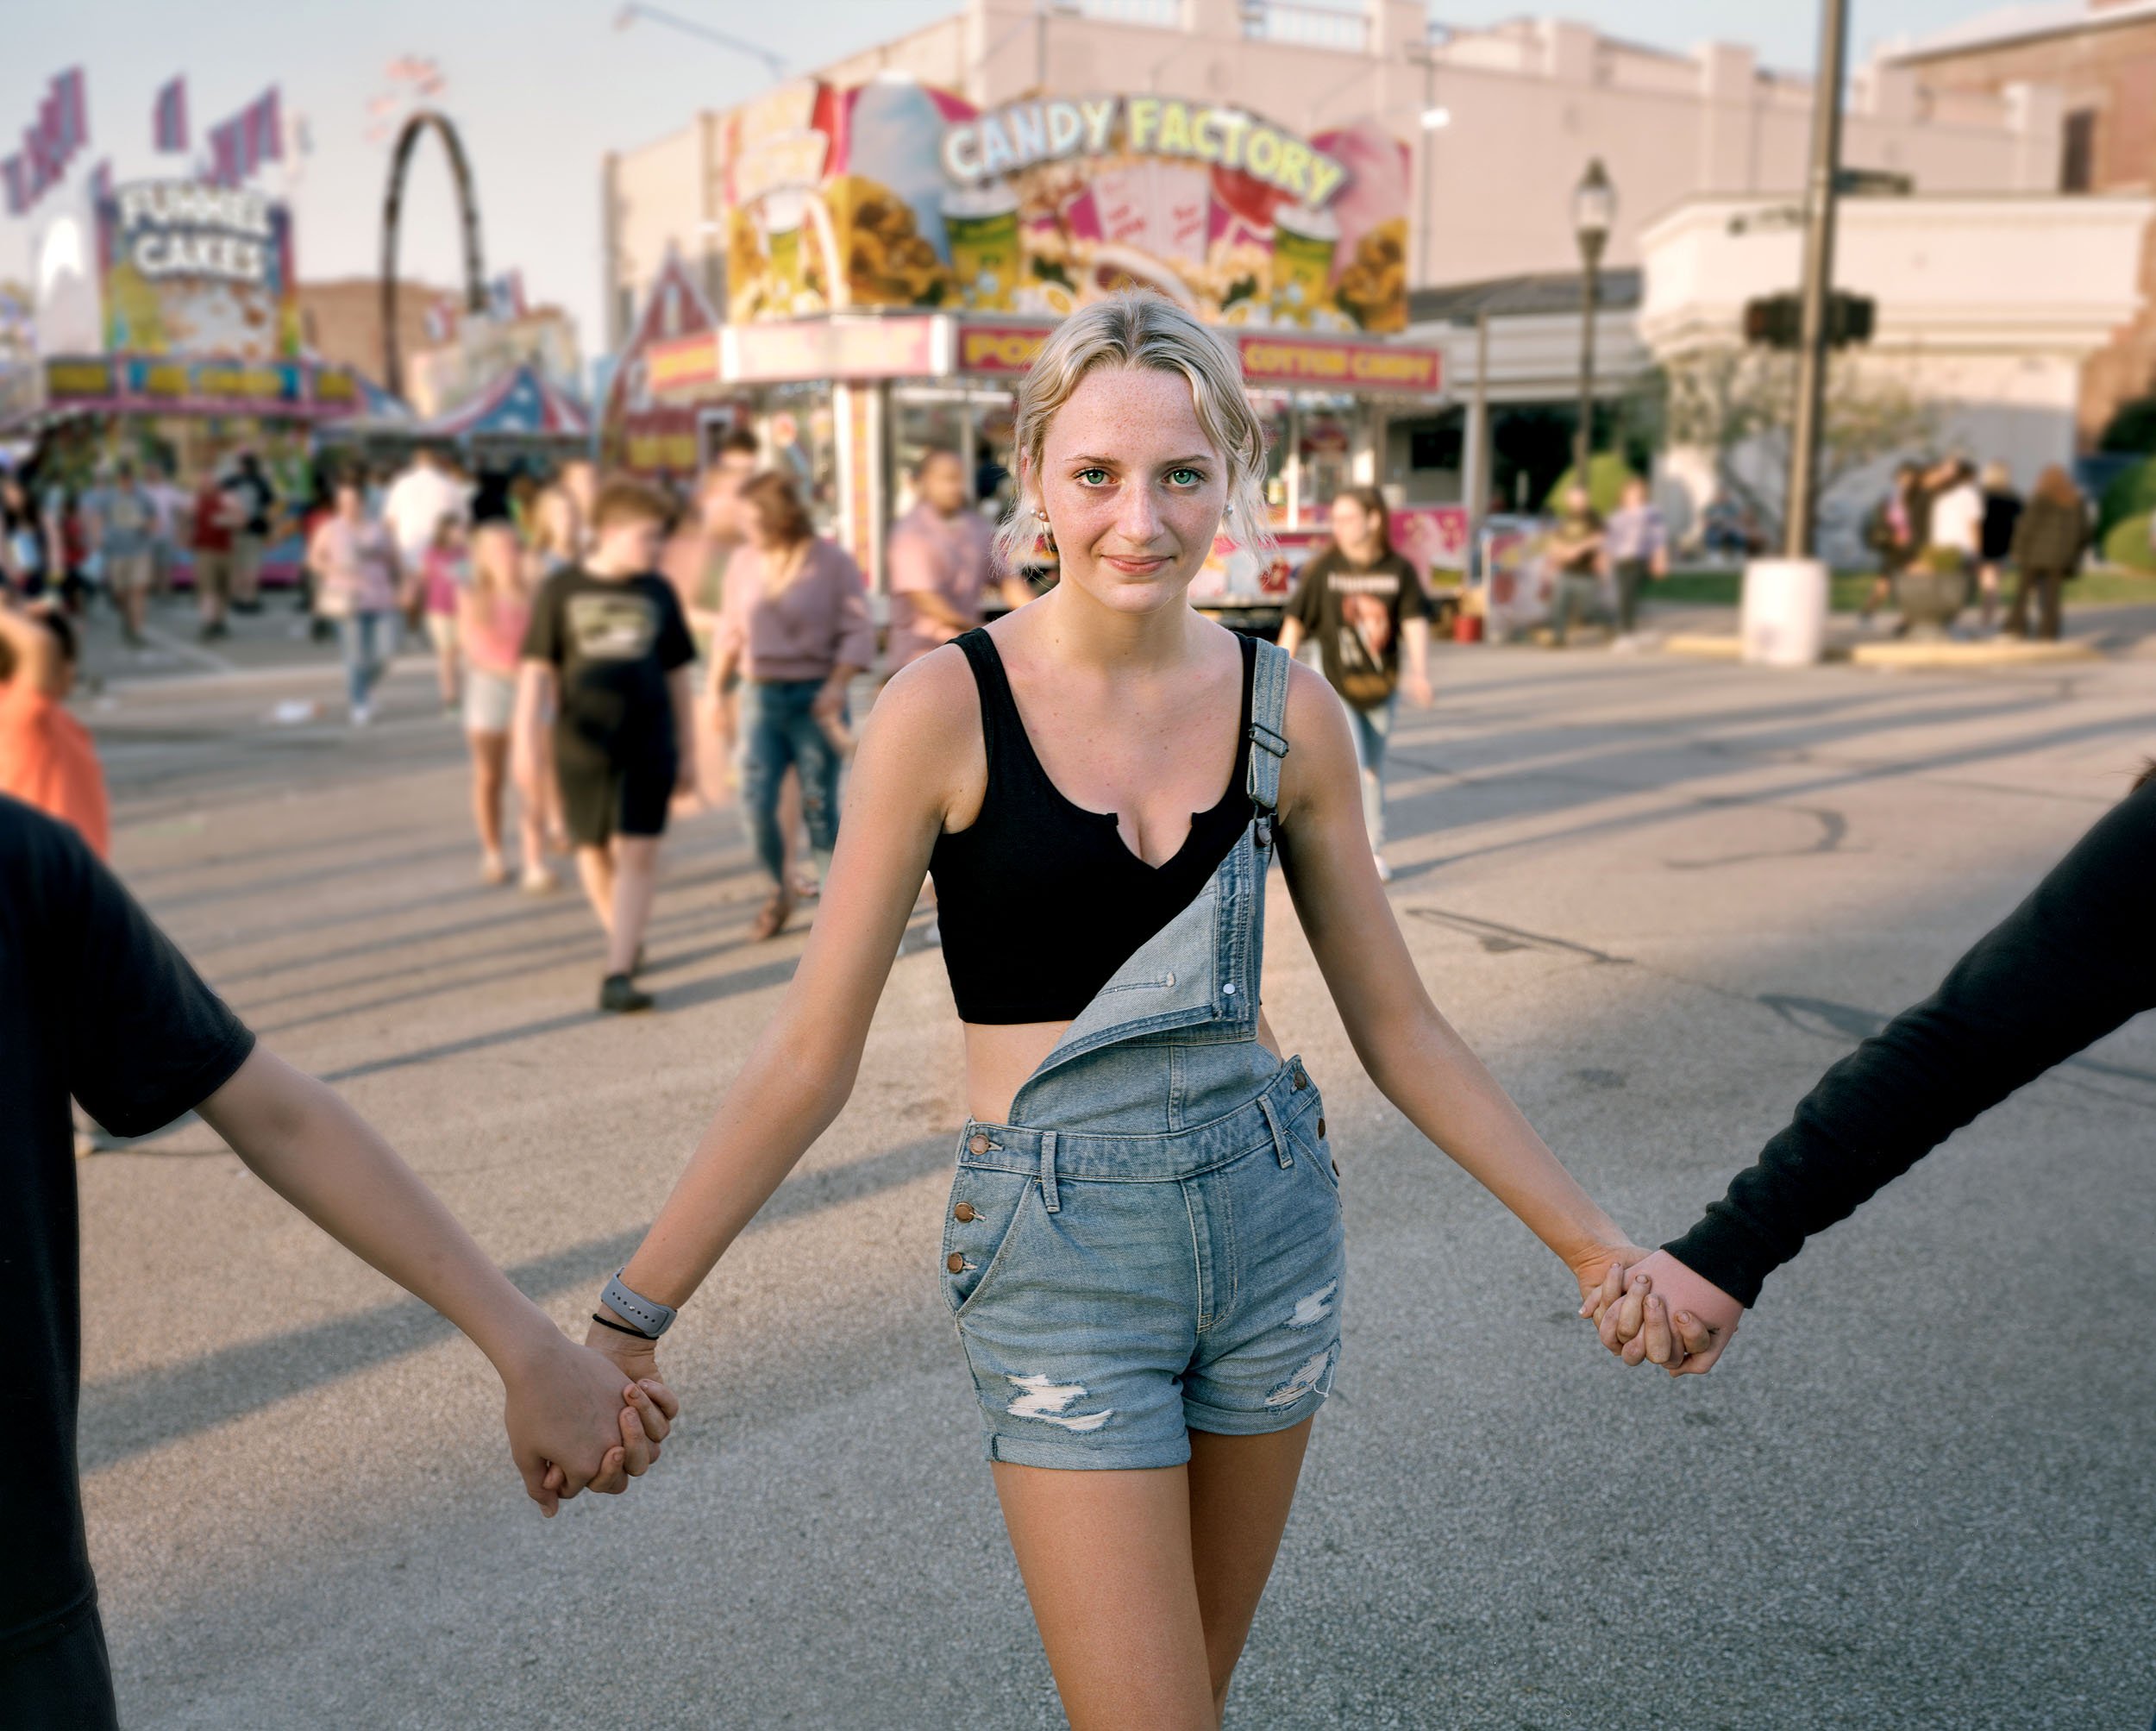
[895,194]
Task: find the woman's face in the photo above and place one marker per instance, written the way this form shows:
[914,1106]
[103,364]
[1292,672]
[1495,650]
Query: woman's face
[1354,529]
[1131,487]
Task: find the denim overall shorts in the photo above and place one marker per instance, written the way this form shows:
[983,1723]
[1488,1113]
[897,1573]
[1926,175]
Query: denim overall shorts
[1153,1244]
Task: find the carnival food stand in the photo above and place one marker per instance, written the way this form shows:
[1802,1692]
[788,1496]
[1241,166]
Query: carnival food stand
[193,295]
[896,258]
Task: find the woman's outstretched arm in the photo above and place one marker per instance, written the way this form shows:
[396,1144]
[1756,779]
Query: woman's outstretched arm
[797,1076]
[1410,1050]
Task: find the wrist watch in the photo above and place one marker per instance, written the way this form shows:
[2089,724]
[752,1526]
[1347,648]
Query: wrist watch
[648,1316]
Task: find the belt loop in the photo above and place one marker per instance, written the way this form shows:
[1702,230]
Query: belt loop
[1048,1171]
[1280,1136]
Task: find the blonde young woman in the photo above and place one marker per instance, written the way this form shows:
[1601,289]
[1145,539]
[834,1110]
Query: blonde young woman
[1142,1249]
[493,611]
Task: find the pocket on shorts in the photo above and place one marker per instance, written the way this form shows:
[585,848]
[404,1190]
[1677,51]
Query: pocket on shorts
[1309,1142]
[980,1222]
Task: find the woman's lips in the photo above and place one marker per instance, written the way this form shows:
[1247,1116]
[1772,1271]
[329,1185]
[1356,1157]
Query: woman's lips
[1136,568]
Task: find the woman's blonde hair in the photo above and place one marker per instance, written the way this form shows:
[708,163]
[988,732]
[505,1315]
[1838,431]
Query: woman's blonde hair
[1136,328]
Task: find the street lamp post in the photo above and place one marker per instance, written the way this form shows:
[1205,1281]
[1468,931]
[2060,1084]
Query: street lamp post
[1594,210]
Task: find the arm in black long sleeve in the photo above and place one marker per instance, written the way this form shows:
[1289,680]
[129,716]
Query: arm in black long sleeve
[2070,964]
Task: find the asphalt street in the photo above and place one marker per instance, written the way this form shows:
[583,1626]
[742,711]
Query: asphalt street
[1659,896]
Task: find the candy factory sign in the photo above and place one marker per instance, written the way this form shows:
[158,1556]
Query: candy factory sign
[1005,140]
[895,194]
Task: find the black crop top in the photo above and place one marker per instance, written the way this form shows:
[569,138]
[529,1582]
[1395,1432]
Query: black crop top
[1041,900]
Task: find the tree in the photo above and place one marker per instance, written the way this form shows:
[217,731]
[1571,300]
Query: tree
[1738,405]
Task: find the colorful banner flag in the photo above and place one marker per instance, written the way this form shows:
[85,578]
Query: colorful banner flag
[224,153]
[505,296]
[72,105]
[100,181]
[168,122]
[265,130]
[16,171]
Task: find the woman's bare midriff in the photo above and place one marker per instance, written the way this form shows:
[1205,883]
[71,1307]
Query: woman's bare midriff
[999,1056]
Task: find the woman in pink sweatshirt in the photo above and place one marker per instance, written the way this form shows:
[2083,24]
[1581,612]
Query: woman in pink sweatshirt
[795,628]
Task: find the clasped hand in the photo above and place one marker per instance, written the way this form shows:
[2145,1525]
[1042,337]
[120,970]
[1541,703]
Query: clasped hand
[582,1419]
[1657,1311]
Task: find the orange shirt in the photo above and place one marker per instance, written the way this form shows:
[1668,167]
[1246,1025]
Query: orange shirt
[48,760]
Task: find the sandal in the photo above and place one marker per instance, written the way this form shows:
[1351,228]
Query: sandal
[772,921]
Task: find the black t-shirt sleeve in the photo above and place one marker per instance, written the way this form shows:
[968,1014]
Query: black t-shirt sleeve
[1414,600]
[1306,602]
[2073,961]
[674,647]
[146,1039]
[542,637]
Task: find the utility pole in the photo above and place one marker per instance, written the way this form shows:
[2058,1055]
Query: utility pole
[1819,277]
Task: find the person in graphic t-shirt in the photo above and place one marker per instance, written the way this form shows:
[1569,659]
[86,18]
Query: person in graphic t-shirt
[1359,600]
[610,649]
[95,1003]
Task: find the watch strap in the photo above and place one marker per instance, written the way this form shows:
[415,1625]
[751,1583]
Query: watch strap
[650,1318]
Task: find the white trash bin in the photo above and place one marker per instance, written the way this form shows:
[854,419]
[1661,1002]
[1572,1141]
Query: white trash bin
[1782,623]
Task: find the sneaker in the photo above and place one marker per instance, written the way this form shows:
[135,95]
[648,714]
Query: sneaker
[362,714]
[619,997]
[1384,871]
[538,880]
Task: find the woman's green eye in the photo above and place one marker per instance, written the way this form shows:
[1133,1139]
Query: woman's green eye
[1091,477]
[1186,478]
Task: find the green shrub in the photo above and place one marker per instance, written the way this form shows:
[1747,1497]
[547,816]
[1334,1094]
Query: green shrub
[2132,494]
[1607,474]
[2128,544]
[2133,428]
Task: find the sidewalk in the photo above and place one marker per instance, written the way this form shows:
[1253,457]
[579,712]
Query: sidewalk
[2112,628]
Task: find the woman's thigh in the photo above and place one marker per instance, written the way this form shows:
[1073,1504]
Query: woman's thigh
[1106,1560]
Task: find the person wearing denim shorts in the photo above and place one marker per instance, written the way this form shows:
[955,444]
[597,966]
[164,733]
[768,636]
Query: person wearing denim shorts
[1142,1247]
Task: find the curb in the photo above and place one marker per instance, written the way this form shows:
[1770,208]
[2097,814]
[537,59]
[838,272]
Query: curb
[1716,646]
[2007,654]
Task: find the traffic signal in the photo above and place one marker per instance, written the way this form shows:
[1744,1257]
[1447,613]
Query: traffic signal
[1777,320]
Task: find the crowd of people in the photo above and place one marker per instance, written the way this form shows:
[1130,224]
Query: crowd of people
[1972,527]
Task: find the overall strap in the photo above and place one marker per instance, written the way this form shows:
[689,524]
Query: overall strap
[1268,735]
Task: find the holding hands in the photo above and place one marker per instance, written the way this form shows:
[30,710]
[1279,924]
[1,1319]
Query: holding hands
[576,1422]
[1658,1311]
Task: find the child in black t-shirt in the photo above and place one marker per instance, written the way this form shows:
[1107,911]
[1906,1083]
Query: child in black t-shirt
[609,648]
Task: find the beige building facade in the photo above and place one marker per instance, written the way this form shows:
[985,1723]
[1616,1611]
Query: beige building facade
[1525,106]
[1990,311]
[2100,57]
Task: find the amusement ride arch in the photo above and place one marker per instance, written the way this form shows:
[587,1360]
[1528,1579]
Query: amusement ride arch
[392,208]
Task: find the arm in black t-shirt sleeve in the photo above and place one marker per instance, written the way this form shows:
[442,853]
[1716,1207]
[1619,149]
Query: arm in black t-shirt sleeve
[676,647]
[2072,963]
[146,1040]
[542,637]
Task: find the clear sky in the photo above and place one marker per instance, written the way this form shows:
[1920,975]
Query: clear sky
[541,89]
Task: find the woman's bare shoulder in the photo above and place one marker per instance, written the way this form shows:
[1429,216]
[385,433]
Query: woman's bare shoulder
[1321,751]
[924,737]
